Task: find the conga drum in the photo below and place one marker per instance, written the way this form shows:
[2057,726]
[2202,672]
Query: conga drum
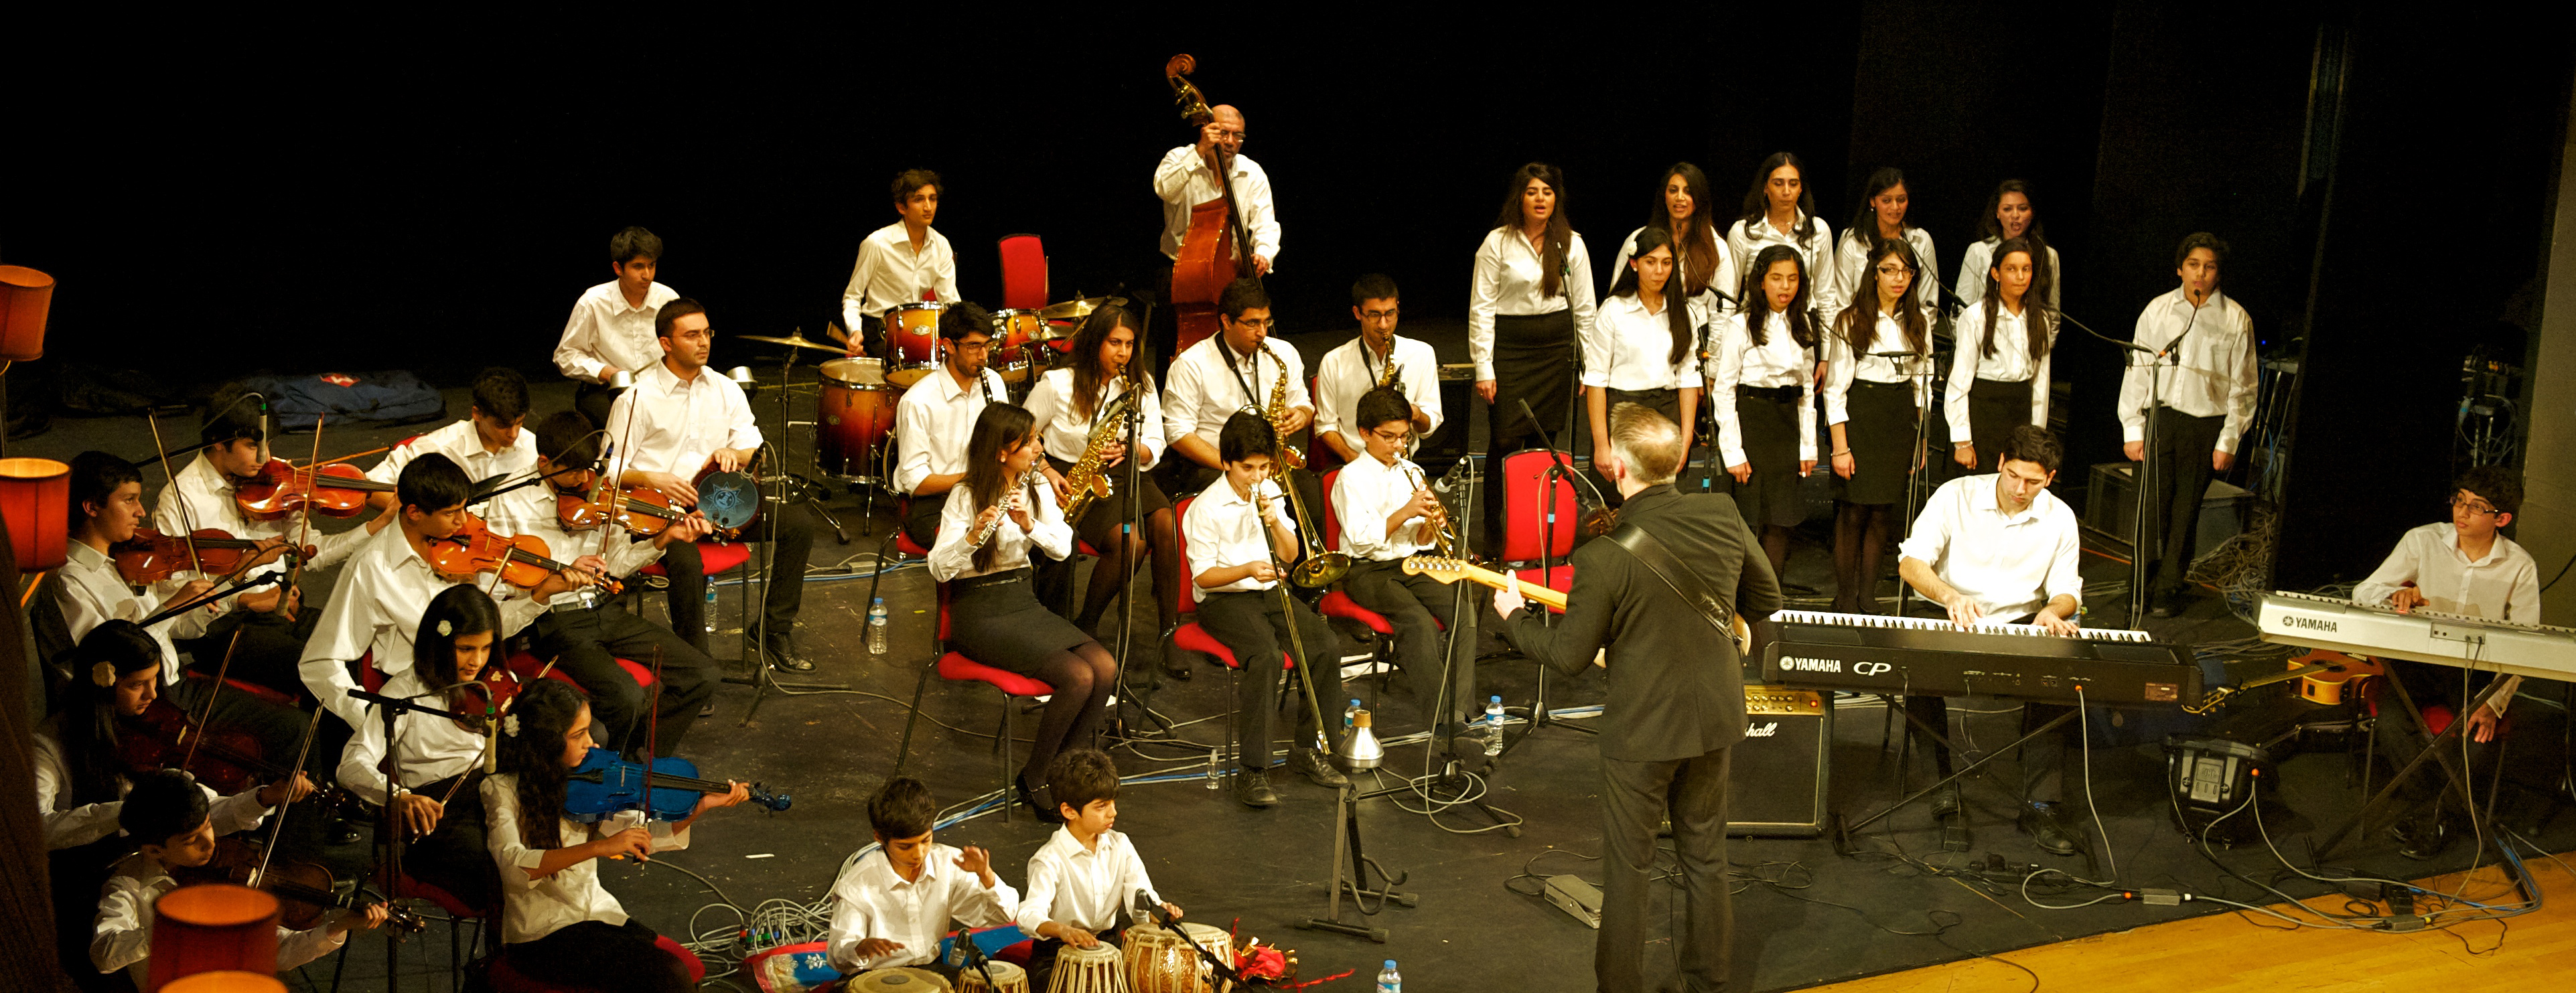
[857,412]
[1013,330]
[1096,969]
[912,334]
[1007,978]
[897,980]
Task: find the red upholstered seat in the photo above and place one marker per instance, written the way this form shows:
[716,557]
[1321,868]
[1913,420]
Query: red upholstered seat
[1190,636]
[903,544]
[526,667]
[1527,532]
[958,668]
[1340,604]
[506,977]
[1024,272]
[714,557]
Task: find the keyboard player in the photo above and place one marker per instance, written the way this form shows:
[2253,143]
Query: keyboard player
[2000,547]
[2463,567]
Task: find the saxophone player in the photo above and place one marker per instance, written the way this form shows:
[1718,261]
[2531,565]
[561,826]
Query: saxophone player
[1389,513]
[1377,359]
[1081,413]
[1239,369]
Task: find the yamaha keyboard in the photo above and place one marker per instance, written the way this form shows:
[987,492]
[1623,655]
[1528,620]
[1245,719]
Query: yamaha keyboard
[2423,636]
[1904,655]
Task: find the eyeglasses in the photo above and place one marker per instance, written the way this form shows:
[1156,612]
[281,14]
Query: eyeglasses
[1395,436]
[1377,315]
[1238,137]
[2474,507]
[1894,270]
[1262,324]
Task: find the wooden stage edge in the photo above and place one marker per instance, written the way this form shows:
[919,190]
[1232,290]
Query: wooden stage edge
[2223,952]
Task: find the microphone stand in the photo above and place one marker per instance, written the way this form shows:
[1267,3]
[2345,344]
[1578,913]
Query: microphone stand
[2154,363]
[1918,474]
[1559,467]
[763,678]
[1131,528]
[392,708]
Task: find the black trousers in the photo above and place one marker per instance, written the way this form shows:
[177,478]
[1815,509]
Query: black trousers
[1420,608]
[791,528]
[2051,764]
[593,955]
[586,645]
[2183,449]
[1635,796]
[921,518]
[1251,625]
[2401,739]
[453,856]
[270,649]
[594,399]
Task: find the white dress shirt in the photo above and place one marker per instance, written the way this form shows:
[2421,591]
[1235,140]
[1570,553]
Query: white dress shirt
[678,425]
[1815,252]
[2009,565]
[1854,279]
[1184,181]
[1205,391]
[1511,281]
[1631,349]
[531,510]
[2213,373]
[71,824]
[935,421]
[1344,374]
[463,446]
[1088,888]
[890,274]
[605,333]
[952,554]
[1066,432]
[1980,262]
[431,748]
[1223,530]
[202,497]
[1778,361]
[533,908]
[376,610]
[1719,279]
[872,901]
[1842,367]
[2011,363]
[90,592]
[1365,492]
[2502,585]
[121,935]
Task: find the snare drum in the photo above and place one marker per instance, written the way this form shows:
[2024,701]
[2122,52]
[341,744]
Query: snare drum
[856,414]
[1013,330]
[1087,970]
[1007,978]
[912,333]
[731,500]
[896,980]
[1158,961]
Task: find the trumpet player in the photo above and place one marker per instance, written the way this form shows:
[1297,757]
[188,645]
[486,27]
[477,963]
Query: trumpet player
[1077,411]
[1388,513]
[1378,358]
[1000,509]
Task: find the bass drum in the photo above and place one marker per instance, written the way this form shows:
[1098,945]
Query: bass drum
[856,414]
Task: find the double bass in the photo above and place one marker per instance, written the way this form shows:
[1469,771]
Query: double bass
[1217,249]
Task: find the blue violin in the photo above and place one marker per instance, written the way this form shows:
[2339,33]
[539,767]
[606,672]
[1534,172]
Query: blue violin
[605,784]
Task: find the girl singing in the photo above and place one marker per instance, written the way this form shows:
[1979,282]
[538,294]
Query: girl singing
[1765,382]
[1875,392]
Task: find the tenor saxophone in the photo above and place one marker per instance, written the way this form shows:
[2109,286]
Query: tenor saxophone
[1084,481]
[1387,377]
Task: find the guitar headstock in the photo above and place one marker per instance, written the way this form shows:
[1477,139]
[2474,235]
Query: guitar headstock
[1444,570]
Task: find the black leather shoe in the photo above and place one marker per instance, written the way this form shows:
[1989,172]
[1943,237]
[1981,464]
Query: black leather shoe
[2165,604]
[2040,822]
[1038,800]
[1253,788]
[1176,663]
[1945,802]
[2424,838]
[784,657]
[1317,769]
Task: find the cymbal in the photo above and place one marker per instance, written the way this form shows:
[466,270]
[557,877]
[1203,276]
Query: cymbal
[797,341]
[1075,309]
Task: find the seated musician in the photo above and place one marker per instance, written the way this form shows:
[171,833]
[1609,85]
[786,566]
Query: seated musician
[896,902]
[388,584]
[1388,513]
[899,263]
[558,925]
[1087,875]
[488,444]
[2001,548]
[2464,567]
[168,815]
[611,328]
[1237,534]
[1224,373]
[1068,404]
[679,423]
[441,759]
[935,416]
[1347,373]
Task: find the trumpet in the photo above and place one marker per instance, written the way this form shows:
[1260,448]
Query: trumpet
[1010,501]
[1445,540]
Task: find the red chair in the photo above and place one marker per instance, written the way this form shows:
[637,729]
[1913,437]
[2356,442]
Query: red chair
[957,668]
[715,558]
[895,548]
[506,977]
[1531,533]
[1338,603]
[1191,637]
[1024,272]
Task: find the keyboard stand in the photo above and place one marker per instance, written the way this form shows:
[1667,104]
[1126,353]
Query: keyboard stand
[1842,832]
[2433,749]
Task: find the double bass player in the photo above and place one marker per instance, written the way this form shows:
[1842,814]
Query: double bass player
[1211,190]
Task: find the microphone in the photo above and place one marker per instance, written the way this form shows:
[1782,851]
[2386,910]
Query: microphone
[492,735]
[1148,908]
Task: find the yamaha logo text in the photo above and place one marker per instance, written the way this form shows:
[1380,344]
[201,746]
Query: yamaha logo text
[1795,663]
[2310,623]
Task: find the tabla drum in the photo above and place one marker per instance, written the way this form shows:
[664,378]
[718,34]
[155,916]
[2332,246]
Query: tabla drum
[1096,969]
[1007,978]
[1013,333]
[897,980]
[1158,961]
[731,500]
[912,337]
[856,414]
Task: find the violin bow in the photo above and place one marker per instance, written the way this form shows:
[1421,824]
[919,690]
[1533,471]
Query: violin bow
[187,522]
[201,720]
[304,529]
[303,751]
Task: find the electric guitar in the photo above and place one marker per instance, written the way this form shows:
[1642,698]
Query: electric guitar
[1453,570]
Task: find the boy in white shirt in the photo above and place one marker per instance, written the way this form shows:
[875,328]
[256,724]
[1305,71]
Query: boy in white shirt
[1388,513]
[897,901]
[611,328]
[1087,875]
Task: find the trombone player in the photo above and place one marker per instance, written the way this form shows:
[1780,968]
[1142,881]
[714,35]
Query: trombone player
[1388,513]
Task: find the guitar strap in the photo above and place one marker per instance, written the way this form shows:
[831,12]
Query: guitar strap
[1659,560]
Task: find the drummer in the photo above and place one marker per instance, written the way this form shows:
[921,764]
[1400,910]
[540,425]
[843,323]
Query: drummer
[936,417]
[900,263]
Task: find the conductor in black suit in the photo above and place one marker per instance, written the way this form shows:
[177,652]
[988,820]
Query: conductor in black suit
[1676,706]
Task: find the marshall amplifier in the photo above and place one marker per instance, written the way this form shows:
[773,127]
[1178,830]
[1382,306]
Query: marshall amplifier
[1777,783]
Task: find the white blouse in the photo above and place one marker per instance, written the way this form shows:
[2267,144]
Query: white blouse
[1630,349]
[1824,292]
[1721,279]
[1842,367]
[1066,432]
[952,555]
[1853,278]
[1980,258]
[1510,278]
[2011,363]
[1778,361]
[533,908]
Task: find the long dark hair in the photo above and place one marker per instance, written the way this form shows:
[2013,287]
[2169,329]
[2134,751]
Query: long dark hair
[89,724]
[1695,251]
[1757,304]
[2043,275]
[457,610]
[1560,232]
[1864,225]
[1000,426]
[1676,305]
[2034,316]
[1757,204]
[1858,323]
[1086,357]
[532,748]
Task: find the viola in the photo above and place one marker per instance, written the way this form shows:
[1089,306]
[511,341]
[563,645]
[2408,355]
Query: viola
[305,889]
[520,559]
[150,556]
[488,695]
[605,784]
[641,510]
[279,489]
[228,760]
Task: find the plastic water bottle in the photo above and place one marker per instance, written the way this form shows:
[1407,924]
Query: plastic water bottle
[877,626]
[1389,980]
[711,608]
[1211,769]
[1493,725]
[1351,716]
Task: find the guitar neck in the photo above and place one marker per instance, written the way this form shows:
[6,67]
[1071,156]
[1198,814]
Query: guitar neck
[1528,589]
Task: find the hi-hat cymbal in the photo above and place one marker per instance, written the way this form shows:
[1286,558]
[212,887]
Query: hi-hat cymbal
[1075,309]
[797,341]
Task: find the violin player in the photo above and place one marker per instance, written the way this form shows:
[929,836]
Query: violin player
[436,803]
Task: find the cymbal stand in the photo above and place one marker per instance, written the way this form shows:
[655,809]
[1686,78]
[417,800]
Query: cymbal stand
[763,678]
[809,491]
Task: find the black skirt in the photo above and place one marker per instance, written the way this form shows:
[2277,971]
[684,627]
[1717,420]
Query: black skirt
[1770,430]
[996,619]
[1995,408]
[1880,433]
[1533,361]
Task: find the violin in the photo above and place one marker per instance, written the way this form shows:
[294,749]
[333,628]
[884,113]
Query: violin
[488,696]
[605,784]
[279,489]
[228,760]
[150,556]
[520,559]
[641,510]
[305,889]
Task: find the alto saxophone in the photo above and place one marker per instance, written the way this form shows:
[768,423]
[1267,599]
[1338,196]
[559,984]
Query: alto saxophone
[1387,377]
[1084,481]
[1277,414]
[1010,501]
